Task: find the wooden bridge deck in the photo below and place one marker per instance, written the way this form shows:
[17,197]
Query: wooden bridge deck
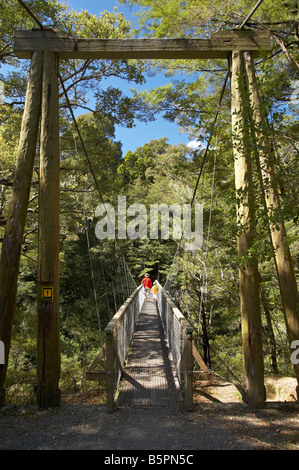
[149,377]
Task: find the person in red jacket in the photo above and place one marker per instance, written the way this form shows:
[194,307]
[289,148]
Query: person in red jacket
[147,284]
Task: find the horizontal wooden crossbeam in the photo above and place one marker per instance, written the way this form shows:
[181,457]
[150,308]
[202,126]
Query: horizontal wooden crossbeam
[218,46]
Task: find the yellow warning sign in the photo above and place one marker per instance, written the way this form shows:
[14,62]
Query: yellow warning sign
[47,294]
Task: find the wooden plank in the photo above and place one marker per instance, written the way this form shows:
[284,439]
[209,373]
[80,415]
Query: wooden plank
[149,377]
[110,380]
[188,358]
[218,46]
[199,359]
[101,356]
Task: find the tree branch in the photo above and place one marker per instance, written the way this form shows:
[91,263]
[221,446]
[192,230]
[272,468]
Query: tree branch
[283,46]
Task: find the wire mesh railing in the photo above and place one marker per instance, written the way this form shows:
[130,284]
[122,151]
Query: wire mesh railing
[110,362]
[119,333]
[178,333]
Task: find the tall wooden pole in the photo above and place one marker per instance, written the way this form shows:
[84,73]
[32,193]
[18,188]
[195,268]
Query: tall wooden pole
[249,276]
[282,255]
[12,241]
[48,353]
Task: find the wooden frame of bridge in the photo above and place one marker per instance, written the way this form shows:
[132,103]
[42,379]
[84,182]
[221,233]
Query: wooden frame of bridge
[45,48]
[218,46]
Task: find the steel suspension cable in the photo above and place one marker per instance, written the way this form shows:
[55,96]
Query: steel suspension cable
[92,172]
[202,164]
[81,140]
[210,136]
[27,9]
[251,13]
[31,14]
[79,133]
[204,282]
[92,275]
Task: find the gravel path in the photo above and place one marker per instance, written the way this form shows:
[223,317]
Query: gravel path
[209,426]
[219,421]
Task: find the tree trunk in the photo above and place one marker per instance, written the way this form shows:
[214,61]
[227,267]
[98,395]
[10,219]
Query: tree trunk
[282,256]
[205,339]
[270,332]
[48,351]
[249,276]
[12,241]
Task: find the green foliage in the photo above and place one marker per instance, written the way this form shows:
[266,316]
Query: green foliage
[205,282]
[192,103]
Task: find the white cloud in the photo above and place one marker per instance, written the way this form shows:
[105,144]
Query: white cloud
[194,144]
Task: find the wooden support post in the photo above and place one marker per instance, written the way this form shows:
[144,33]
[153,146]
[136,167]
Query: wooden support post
[249,276]
[282,256]
[110,381]
[188,353]
[12,241]
[48,353]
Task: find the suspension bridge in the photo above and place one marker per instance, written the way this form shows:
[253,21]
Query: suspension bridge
[147,358]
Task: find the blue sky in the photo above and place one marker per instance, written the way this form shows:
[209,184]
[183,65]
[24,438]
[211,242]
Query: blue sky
[142,132]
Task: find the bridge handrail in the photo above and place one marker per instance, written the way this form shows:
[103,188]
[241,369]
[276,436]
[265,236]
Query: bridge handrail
[120,313]
[178,332]
[119,333]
